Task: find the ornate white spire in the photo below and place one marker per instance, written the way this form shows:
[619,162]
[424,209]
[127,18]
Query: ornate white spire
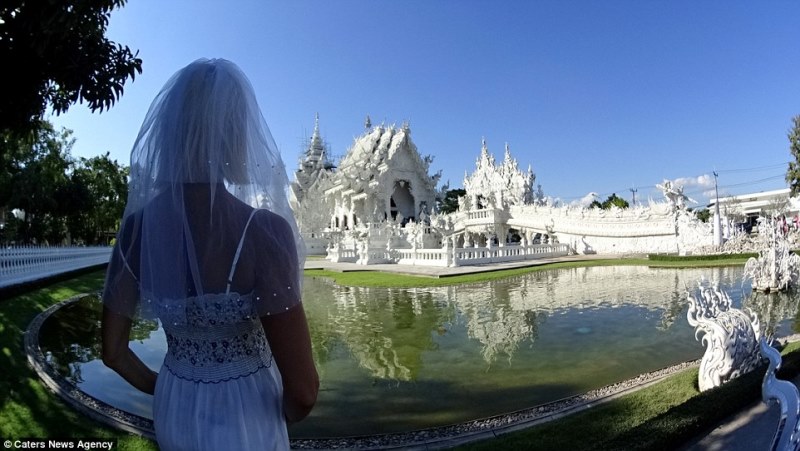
[316,148]
[507,157]
[501,184]
[485,159]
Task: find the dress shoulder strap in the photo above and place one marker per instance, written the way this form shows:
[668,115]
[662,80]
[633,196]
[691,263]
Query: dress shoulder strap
[239,251]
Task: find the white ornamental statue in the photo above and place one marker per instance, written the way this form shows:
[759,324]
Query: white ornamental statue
[785,393]
[730,335]
[777,267]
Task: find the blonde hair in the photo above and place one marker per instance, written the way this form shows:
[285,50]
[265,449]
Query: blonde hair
[203,124]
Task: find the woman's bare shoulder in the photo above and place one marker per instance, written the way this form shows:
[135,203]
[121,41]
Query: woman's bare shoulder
[271,224]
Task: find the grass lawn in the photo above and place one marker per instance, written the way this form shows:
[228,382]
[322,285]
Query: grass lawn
[382,279]
[659,417]
[27,408]
[663,416]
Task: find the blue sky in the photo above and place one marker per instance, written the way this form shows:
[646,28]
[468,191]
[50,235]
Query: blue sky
[597,96]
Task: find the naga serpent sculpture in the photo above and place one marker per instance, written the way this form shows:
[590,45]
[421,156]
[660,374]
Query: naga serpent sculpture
[730,335]
[786,395]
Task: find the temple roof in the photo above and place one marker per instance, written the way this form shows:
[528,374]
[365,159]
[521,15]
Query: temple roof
[378,144]
[374,152]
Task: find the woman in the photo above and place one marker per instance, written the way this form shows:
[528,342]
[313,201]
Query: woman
[209,246]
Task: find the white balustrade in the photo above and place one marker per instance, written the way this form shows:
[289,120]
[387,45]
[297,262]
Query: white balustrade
[422,257]
[483,255]
[342,255]
[448,257]
[21,264]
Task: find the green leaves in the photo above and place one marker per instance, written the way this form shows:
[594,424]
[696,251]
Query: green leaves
[62,197]
[612,201]
[793,173]
[59,56]
[450,202]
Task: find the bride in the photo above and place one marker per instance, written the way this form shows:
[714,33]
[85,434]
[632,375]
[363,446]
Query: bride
[209,246]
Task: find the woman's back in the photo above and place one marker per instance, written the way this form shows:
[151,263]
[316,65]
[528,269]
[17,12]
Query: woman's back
[209,245]
[219,365]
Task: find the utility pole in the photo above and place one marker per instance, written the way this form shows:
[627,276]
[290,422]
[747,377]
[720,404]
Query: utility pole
[633,191]
[717,218]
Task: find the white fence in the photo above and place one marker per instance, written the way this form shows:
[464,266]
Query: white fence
[424,257]
[20,264]
[448,257]
[483,255]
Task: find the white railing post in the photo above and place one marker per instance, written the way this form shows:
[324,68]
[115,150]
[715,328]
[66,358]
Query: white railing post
[21,264]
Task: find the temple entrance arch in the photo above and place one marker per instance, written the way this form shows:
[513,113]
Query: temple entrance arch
[402,201]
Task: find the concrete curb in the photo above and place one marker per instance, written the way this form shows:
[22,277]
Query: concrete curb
[87,405]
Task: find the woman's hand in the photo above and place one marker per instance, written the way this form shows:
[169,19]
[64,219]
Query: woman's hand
[290,342]
[116,330]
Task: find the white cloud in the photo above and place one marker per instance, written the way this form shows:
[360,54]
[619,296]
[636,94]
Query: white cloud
[585,200]
[702,181]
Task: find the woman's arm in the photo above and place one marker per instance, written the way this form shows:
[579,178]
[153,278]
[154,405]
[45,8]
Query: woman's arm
[118,356]
[290,342]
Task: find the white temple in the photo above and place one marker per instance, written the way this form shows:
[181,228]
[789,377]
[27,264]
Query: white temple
[380,206]
[381,180]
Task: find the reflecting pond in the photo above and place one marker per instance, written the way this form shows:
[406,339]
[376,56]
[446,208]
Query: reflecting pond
[401,359]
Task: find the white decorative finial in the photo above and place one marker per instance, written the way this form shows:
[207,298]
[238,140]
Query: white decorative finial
[316,124]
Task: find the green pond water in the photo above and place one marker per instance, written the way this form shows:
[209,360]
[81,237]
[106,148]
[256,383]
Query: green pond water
[395,360]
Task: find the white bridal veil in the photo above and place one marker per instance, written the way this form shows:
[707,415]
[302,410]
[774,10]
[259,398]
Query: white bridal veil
[204,158]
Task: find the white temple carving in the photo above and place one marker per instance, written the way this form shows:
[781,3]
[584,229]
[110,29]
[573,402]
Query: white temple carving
[786,395]
[731,336]
[380,206]
[777,267]
[502,186]
[382,177]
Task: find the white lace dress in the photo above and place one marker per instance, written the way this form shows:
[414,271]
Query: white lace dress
[219,388]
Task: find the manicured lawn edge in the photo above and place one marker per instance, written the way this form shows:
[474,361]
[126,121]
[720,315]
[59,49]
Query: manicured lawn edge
[666,415]
[369,278]
[690,258]
[27,408]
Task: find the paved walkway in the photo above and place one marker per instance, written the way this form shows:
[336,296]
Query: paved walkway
[752,429]
[749,430]
[438,272]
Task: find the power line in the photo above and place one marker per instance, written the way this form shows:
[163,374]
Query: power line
[754,182]
[705,189]
[760,168]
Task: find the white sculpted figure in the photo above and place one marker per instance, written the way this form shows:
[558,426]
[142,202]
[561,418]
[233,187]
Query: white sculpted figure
[787,436]
[500,185]
[777,267]
[674,194]
[730,335]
